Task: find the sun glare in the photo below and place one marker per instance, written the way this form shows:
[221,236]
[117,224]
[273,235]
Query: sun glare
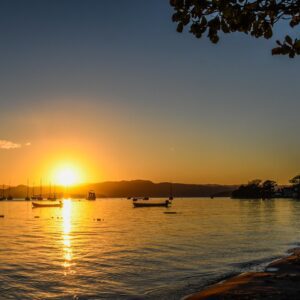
[66,175]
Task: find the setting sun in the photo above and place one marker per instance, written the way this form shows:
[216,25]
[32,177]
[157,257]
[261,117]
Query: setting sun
[66,175]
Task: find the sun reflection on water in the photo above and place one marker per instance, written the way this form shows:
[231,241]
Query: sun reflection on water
[66,237]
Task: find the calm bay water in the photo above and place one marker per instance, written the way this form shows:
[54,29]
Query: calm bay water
[66,253]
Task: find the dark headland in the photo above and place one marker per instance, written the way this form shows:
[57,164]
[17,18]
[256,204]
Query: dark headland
[279,280]
[132,188]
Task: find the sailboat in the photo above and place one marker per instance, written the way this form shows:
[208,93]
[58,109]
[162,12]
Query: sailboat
[2,197]
[33,197]
[171,192]
[27,198]
[51,197]
[9,196]
[40,196]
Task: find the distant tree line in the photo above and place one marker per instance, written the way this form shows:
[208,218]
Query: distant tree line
[268,189]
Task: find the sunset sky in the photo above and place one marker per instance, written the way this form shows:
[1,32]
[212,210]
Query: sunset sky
[111,90]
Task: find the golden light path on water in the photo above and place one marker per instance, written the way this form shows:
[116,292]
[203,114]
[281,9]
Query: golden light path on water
[66,237]
[106,249]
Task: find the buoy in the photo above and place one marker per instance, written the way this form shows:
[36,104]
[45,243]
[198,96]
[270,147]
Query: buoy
[36,217]
[1,216]
[98,219]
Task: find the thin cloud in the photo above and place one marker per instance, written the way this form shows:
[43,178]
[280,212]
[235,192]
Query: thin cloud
[7,145]
[28,144]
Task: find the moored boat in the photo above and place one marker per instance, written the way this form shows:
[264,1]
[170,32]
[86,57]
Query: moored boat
[2,197]
[9,196]
[27,198]
[59,204]
[91,195]
[52,197]
[152,204]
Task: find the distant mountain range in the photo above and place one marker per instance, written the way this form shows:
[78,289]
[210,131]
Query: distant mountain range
[133,188]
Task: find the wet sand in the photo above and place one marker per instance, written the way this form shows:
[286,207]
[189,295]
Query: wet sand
[280,280]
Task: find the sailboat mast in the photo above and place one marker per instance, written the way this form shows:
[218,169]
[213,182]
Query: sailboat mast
[41,189]
[27,188]
[171,191]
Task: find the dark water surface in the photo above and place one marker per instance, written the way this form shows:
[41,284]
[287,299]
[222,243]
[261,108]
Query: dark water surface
[66,253]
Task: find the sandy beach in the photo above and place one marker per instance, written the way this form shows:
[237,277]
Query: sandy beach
[280,280]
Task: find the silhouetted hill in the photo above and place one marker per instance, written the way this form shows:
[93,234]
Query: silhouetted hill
[135,188]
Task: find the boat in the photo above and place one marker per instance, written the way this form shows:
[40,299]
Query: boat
[40,196]
[52,196]
[91,195]
[35,204]
[152,204]
[139,198]
[2,197]
[9,196]
[171,192]
[27,198]
[33,197]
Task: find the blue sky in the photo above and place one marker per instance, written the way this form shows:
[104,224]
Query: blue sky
[117,77]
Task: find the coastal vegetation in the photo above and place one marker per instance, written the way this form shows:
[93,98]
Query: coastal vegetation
[268,189]
[255,18]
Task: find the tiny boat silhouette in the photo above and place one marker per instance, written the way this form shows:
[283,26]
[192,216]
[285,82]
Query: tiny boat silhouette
[91,195]
[35,204]
[52,196]
[9,196]
[40,196]
[2,197]
[27,198]
[140,198]
[152,204]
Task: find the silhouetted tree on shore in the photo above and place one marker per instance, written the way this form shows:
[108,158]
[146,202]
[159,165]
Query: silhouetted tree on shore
[250,191]
[268,189]
[296,185]
[255,189]
[257,18]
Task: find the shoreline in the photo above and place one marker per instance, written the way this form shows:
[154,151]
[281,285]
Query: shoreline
[279,280]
